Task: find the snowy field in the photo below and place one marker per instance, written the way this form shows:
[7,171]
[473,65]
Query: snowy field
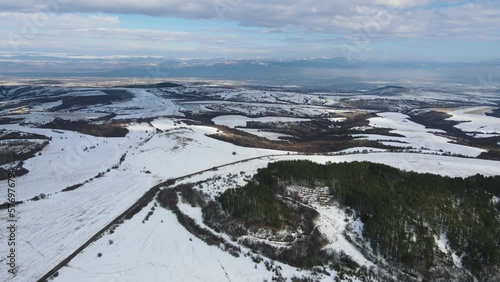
[144,105]
[164,155]
[74,216]
[474,120]
[70,158]
[115,172]
[260,108]
[266,134]
[161,250]
[415,135]
[43,117]
[158,240]
[241,121]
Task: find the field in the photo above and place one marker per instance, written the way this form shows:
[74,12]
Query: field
[106,148]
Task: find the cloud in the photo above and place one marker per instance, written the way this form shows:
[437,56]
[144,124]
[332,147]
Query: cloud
[414,18]
[85,26]
[103,35]
[60,21]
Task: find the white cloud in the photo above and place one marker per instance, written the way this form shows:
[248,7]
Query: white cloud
[16,21]
[414,18]
[80,26]
[95,34]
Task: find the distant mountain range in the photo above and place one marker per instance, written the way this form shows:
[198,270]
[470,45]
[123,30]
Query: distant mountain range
[296,71]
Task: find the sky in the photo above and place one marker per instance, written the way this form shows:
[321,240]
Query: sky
[382,30]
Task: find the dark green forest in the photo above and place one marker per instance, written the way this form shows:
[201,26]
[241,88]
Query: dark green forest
[401,211]
[255,203]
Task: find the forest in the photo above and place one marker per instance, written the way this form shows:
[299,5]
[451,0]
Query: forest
[402,212]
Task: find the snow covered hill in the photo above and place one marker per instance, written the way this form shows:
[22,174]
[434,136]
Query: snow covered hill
[88,174]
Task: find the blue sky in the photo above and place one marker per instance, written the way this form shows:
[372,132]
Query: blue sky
[387,30]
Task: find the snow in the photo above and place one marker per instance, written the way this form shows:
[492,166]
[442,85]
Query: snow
[473,119]
[73,217]
[336,119]
[434,164]
[50,229]
[258,106]
[266,134]
[47,106]
[482,135]
[277,97]
[65,162]
[357,150]
[85,92]
[442,243]
[161,250]
[422,163]
[495,200]
[144,105]
[42,117]
[416,136]
[332,219]
[72,158]
[444,246]
[331,223]
[193,212]
[237,120]
[187,149]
